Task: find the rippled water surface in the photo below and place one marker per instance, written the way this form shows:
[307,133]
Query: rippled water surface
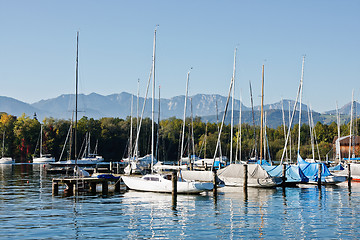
[29,211]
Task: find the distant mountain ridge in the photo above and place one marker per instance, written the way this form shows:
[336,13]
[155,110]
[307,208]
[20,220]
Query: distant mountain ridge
[119,105]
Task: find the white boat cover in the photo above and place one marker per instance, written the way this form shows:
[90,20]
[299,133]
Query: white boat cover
[233,175]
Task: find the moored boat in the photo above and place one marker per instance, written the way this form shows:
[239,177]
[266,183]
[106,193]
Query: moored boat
[163,184]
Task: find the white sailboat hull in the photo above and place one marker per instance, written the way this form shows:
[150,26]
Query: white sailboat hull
[43,160]
[157,183]
[6,160]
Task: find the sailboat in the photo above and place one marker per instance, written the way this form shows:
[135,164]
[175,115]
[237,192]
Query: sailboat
[43,158]
[233,175]
[158,182]
[3,159]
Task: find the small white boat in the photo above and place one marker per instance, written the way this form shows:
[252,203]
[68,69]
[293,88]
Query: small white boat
[163,184]
[6,160]
[44,159]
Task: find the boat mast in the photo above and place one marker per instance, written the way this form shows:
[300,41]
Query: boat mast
[253,118]
[131,129]
[41,130]
[283,118]
[232,109]
[153,104]
[76,93]
[183,128]
[3,144]
[351,123]
[338,128]
[301,89]
[262,116]
[238,137]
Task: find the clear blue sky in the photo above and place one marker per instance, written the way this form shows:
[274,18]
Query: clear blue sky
[37,48]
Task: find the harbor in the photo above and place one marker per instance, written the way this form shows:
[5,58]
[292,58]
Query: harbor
[29,210]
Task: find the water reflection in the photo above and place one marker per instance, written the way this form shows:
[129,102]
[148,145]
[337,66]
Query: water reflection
[29,211]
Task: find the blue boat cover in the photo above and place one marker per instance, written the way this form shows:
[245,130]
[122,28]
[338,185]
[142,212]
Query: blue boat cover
[263,163]
[311,169]
[336,168]
[293,173]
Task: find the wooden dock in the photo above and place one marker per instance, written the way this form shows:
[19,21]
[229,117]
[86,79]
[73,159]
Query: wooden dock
[86,184]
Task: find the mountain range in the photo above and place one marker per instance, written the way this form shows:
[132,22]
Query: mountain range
[206,106]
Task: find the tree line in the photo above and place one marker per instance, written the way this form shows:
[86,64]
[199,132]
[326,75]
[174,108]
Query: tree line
[21,136]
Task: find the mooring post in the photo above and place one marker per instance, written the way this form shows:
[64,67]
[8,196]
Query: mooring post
[284,175]
[205,166]
[174,187]
[70,188]
[349,174]
[215,182]
[55,188]
[245,177]
[111,167]
[117,168]
[93,187]
[105,187]
[191,166]
[319,175]
[117,185]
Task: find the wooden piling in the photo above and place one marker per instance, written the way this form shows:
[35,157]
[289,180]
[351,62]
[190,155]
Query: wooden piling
[245,185]
[319,175]
[117,185]
[191,166]
[174,187]
[215,182]
[93,187]
[284,175]
[111,167]
[105,188]
[349,174]
[55,188]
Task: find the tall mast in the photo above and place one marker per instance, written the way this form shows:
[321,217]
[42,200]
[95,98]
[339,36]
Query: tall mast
[253,118]
[192,129]
[238,137]
[338,128]
[283,118]
[184,118]
[41,130]
[262,116]
[131,129]
[351,123]
[232,109]
[76,93]
[158,129]
[153,105]
[301,89]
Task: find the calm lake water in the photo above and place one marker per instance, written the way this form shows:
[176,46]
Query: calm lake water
[29,211]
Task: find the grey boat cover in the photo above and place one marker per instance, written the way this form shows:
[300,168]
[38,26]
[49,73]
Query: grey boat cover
[237,171]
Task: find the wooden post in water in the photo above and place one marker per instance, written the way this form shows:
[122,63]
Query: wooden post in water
[117,185]
[349,175]
[284,175]
[215,183]
[174,187]
[191,166]
[117,168]
[105,187]
[319,175]
[55,188]
[93,187]
[245,177]
[111,167]
[205,166]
